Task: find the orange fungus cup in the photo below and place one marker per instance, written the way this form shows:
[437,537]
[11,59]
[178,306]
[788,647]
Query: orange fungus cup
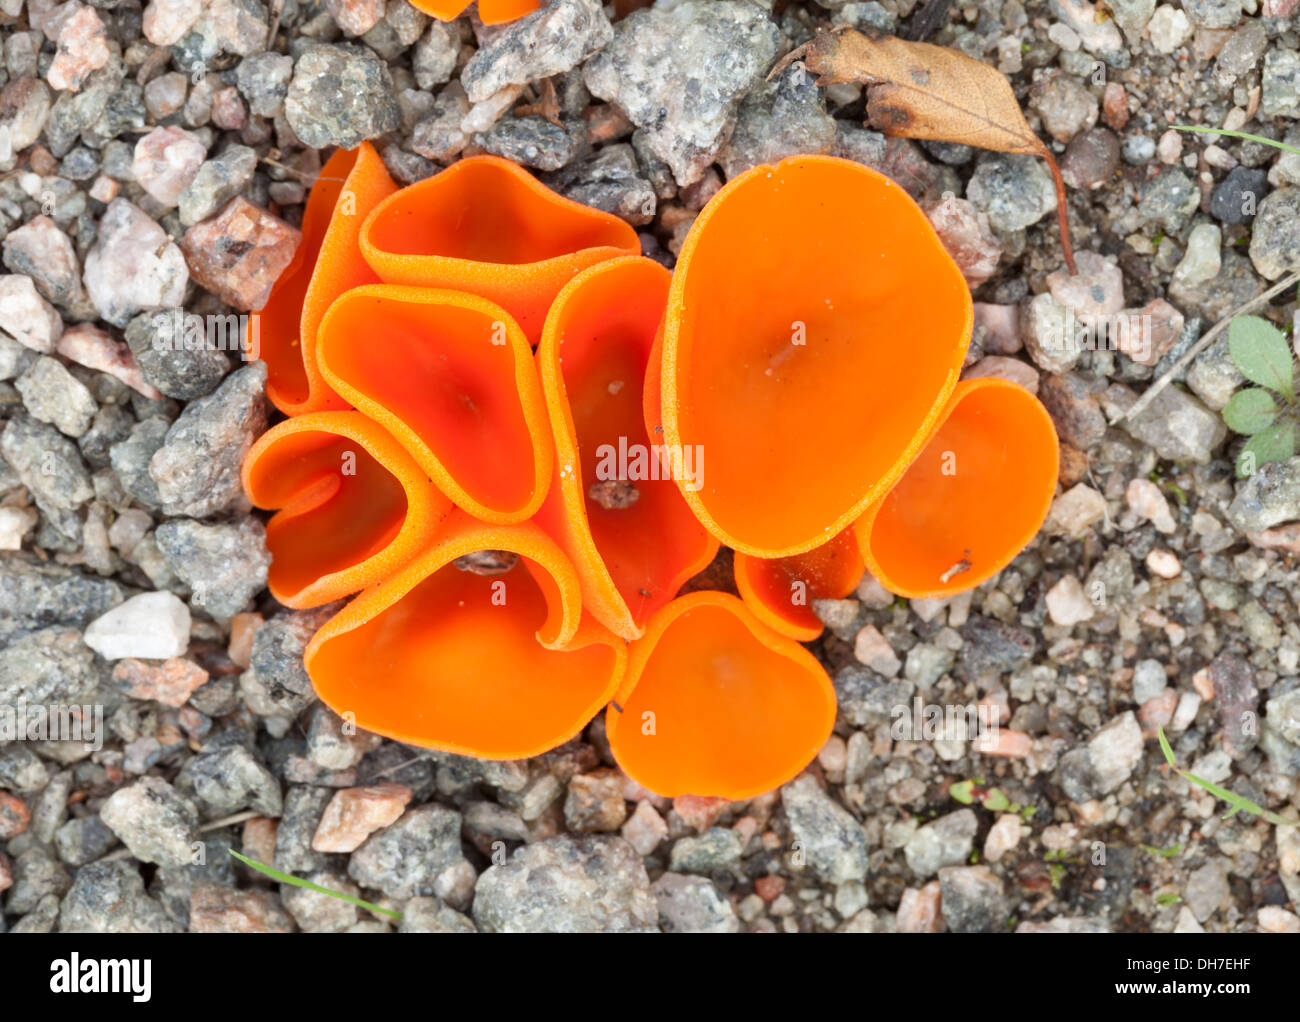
[354,506]
[490,12]
[716,703]
[452,655]
[488,227]
[973,499]
[327,263]
[613,504]
[452,377]
[815,329]
[780,591]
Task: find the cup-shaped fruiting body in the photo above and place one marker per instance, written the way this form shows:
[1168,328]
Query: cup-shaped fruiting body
[487,227]
[354,506]
[452,377]
[973,498]
[815,329]
[470,650]
[780,591]
[490,12]
[716,703]
[327,263]
[613,504]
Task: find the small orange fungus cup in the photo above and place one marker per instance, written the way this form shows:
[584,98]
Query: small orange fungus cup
[972,500]
[815,330]
[496,666]
[613,505]
[452,377]
[327,263]
[488,227]
[354,506]
[490,12]
[780,591]
[716,703]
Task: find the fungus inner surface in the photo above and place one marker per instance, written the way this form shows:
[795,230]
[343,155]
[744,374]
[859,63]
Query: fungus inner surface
[457,661]
[729,713]
[447,373]
[821,325]
[973,497]
[340,506]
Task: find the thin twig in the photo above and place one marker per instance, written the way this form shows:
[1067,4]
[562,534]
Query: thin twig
[1210,336]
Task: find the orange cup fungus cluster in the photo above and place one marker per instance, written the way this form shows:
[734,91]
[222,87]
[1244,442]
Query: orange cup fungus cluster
[517,439]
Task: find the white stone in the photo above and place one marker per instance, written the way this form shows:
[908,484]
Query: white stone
[134,265]
[1169,28]
[15,522]
[152,626]
[1067,604]
[26,316]
[1145,498]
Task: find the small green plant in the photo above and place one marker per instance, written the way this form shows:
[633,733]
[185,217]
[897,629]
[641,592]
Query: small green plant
[992,799]
[1163,853]
[1169,898]
[286,878]
[1267,413]
[1237,134]
[1238,803]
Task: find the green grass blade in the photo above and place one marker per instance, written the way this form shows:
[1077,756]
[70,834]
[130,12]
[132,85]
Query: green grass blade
[285,878]
[1236,134]
[1164,747]
[1231,797]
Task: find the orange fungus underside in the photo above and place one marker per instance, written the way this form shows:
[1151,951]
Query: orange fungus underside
[780,591]
[487,227]
[491,12]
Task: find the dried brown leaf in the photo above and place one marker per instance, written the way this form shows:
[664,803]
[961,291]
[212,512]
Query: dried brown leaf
[918,90]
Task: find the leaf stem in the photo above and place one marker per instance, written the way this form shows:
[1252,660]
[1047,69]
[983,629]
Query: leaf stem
[285,878]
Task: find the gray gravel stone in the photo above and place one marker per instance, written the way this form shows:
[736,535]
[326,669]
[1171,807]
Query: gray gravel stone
[109,897]
[174,355]
[1176,425]
[692,905]
[533,141]
[434,58]
[866,699]
[37,594]
[47,463]
[1236,198]
[714,850]
[972,900]
[1269,497]
[48,666]
[563,884]
[131,458]
[197,468]
[224,564]
[1280,84]
[1169,200]
[680,73]
[431,915]
[37,875]
[217,181]
[153,820]
[224,781]
[1106,762]
[319,913]
[946,841]
[420,854]
[611,180]
[1013,191]
[1274,241]
[303,807]
[780,118]
[833,843]
[263,78]
[340,96]
[83,840]
[548,42]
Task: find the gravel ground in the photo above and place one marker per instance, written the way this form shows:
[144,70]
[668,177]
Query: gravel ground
[157,157]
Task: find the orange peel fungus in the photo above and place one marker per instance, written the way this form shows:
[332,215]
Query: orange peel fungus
[354,506]
[973,499]
[815,330]
[613,504]
[326,264]
[499,666]
[716,702]
[490,12]
[518,524]
[486,226]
